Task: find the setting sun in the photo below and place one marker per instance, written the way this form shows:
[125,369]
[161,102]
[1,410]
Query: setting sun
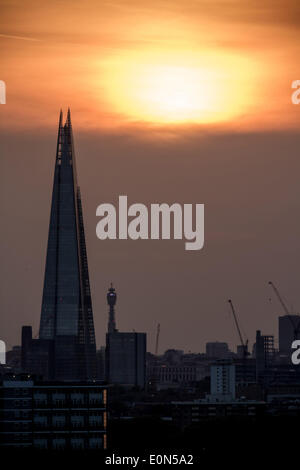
[171,88]
[120,65]
[174,93]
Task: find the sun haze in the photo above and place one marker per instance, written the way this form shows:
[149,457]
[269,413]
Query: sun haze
[178,87]
[129,63]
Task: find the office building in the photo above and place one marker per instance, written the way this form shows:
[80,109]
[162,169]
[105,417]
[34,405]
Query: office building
[165,376]
[187,413]
[217,350]
[125,354]
[66,343]
[52,415]
[222,381]
[126,359]
[264,353]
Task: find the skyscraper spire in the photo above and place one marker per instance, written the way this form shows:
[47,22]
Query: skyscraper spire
[68,121]
[111,300]
[66,316]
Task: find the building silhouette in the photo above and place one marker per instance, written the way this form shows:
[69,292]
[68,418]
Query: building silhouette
[66,348]
[125,353]
[264,354]
[26,345]
[111,300]
[126,358]
[289,330]
[217,349]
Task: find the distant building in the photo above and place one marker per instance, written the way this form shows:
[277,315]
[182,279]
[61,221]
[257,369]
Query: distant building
[264,353]
[222,381]
[217,350]
[125,354]
[284,393]
[279,374]
[241,350]
[13,358]
[111,298]
[52,415]
[25,345]
[37,355]
[101,374]
[289,329]
[245,371]
[165,376]
[174,369]
[173,356]
[126,359]
[187,413]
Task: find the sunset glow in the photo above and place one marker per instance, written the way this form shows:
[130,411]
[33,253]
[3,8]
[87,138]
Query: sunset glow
[120,64]
[171,88]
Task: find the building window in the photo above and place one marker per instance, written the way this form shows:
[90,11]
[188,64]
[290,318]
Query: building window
[59,443]
[40,398]
[95,442]
[58,421]
[40,421]
[77,398]
[77,421]
[95,398]
[40,443]
[96,420]
[77,443]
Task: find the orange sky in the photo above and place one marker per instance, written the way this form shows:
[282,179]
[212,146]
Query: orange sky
[156,69]
[161,63]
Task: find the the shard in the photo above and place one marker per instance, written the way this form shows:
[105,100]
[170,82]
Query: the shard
[67,316]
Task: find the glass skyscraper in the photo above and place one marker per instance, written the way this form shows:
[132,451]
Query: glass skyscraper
[67,316]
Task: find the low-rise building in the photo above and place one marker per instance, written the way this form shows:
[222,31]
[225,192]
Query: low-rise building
[52,415]
[186,413]
[170,376]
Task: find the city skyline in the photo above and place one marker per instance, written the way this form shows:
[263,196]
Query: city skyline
[242,164]
[129,317]
[149,246]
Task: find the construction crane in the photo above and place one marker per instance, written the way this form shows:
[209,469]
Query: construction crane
[287,312]
[279,297]
[244,345]
[157,339]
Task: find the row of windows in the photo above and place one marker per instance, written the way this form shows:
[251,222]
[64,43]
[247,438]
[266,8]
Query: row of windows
[74,443]
[77,420]
[92,397]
